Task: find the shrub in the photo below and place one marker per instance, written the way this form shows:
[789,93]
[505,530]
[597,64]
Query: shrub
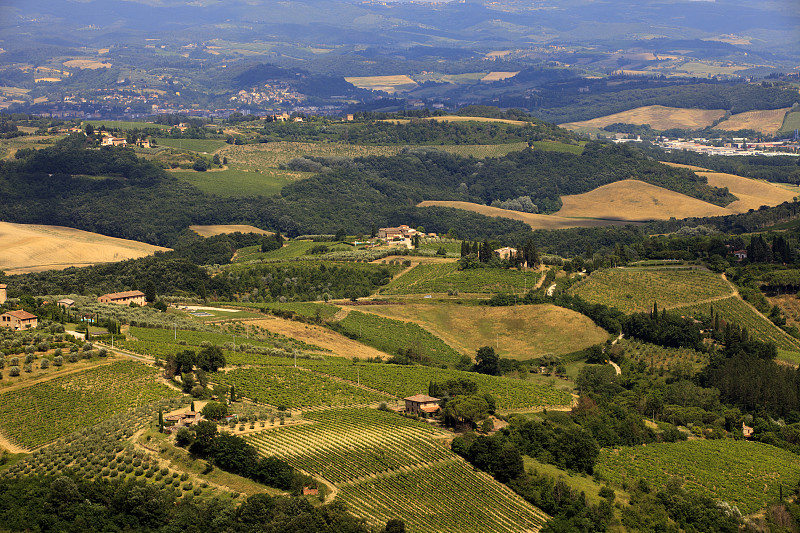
[58,360]
[44,364]
[73,357]
[28,367]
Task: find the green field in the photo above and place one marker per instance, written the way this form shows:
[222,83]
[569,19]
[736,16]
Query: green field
[289,250]
[125,124]
[443,277]
[391,336]
[678,360]
[403,381]
[192,145]
[791,122]
[41,413]
[304,309]
[238,183]
[636,290]
[481,151]
[254,336]
[553,146]
[736,310]
[745,474]
[386,466]
[294,388]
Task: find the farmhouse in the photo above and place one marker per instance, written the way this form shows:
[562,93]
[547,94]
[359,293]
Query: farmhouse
[400,232]
[19,320]
[3,296]
[110,140]
[740,254]
[66,303]
[123,298]
[505,253]
[422,404]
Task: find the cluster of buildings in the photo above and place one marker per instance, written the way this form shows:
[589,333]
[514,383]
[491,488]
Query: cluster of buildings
[735,146]
[16,320]
[273,92]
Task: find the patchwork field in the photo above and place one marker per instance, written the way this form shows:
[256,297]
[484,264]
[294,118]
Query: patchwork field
[768,122]
[659,118]
[518,332]
[535,221]
[384,466]
[745,474]
[389,84]
[219,229]
[636,200]
[636,290]
[32,248]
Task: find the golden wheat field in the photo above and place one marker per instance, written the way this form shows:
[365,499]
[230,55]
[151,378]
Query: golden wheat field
[768,122]
[533,220]
[498,76]
[659,117]
[90,64]
[389,84]
[32,248]
[219,229]
[636,200]
[751,193]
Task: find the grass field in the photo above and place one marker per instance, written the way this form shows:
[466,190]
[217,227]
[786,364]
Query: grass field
[443,277]
[124,124]
[736,310]
[192,145]
[636,200]
[745,474]
[391,336]
[636,290]
[791,122]
[271,155]
[288,251]
[768,122]
[90,64]
[535,221]
[385,466]
[518,332]
[32,248]
[497,76]
[221,229]
[237,183]
[659,118]
[39,414]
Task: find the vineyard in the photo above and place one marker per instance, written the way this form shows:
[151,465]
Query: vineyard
[738,311]
[386,466]
[294,387]
[346,444]
[446,497]
[391,336]
[745,474]
[402,381]
[444,277]
[289,250]
[636,291]
[36,415]
[244,335]
[482,151]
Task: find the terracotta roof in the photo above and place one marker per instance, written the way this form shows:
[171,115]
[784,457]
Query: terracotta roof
[22,315]
[422,398]
[126,294]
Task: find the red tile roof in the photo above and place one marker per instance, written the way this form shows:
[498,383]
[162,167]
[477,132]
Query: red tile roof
[126,294]
[22,315]
[422,398]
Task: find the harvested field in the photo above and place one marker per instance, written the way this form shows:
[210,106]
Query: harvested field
[456,118]
[659,118]
[636,200]
[497,76]
[210,231]
[319,336]
[533,220]
[90,64]
[390,84]
[752,193]
[519,332]
[32,248]
[768,122]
